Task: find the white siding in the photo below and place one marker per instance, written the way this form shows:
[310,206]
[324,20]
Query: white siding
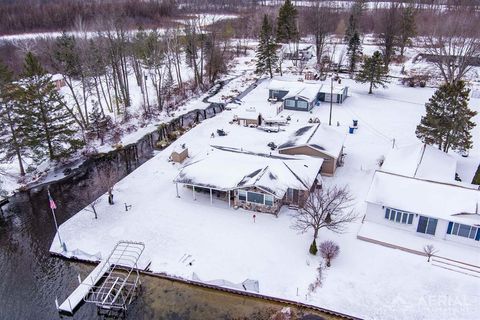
[376,213]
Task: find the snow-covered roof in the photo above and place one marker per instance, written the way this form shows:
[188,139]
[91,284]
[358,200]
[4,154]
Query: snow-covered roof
[323,138]
[228,169]
[421,161]
[57,76]
[287,48]
[247,113]
[337,88]
[305,90]
[309,92]
[434,199]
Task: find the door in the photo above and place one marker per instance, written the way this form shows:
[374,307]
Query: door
[295,197]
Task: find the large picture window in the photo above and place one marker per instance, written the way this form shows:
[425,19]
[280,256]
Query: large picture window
[427,225]
[290,103]
[302,104]
[398,216]
[255,197]
[463,230]
[242,195]
[268,200]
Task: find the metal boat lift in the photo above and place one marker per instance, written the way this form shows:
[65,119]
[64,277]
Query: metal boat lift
[117,288]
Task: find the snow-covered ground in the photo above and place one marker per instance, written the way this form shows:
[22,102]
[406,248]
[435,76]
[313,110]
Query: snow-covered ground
[366,280]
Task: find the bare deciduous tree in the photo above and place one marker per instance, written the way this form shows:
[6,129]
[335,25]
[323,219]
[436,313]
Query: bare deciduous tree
[329,250]
[329,208]
[454,45]
[430,251]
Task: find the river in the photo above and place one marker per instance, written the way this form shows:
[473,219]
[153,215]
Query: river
[31,278]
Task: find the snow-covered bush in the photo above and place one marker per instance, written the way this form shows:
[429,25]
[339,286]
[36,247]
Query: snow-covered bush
[329,250]
[318,280]
[430,251]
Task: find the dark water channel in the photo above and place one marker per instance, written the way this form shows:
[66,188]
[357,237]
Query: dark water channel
[31,279]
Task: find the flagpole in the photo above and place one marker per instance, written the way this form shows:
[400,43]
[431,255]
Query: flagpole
[55,219]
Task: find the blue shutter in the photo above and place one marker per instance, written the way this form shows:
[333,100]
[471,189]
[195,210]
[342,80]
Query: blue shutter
[478,235]
[450,226]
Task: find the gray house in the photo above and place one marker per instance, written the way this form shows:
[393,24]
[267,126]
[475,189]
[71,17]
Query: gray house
[295,95]
[338,92]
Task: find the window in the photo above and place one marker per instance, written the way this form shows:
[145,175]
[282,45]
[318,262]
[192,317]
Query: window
[242,195]
[302,105]
[255,197]
[463,230]
[427,225]
[268,200]
[399,216]
[290,103]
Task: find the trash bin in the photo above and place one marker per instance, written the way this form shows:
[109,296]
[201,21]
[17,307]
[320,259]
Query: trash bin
[351,130]
[355,123]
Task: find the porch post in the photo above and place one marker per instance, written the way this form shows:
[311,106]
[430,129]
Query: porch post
[229,199]
[176,187]
[211,197]
[194,196]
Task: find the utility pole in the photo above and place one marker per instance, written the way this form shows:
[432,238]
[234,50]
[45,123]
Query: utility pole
[331,100]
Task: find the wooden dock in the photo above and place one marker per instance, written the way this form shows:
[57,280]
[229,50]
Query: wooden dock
[76,297]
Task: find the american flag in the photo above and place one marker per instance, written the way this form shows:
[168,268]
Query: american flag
[53,206]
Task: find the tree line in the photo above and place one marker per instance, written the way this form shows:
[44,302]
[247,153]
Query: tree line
[100,75]
[54,15]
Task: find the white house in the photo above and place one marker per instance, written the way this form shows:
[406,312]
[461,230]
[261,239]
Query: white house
[421,161]
[426,208]
[257,182]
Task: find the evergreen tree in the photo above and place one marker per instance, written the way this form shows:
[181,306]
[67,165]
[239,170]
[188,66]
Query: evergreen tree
[99,123]
[448,119]
[354,52]
[287,23]
[266,51]
[373,71]
[51,128]
[12,134]
[407,28]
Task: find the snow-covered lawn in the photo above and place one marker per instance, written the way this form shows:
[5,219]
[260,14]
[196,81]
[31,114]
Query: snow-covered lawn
[366,280]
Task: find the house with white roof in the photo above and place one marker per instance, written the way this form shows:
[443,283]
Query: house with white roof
[257,182]
[431,209]
[421,161]
[320,141]
[334,92]
[295,95]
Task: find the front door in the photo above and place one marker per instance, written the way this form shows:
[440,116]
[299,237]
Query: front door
[295,197]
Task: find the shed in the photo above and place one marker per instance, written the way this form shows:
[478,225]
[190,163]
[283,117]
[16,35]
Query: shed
[58,80]
[179,154]
[319,141]
[248,117]
[338,92]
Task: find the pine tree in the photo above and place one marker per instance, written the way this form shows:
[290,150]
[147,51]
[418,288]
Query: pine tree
[407,28]
[373,71]
[354,52]
[266,51]
[448,119]
[12,134]
[287,23]
[51,127]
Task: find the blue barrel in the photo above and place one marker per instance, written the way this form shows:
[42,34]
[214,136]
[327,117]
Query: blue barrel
[351,130]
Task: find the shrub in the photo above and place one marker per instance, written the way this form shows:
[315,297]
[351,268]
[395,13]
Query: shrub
[313,247]
[476,178]
[329,250]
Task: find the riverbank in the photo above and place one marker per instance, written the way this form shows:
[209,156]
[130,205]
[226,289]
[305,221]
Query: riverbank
[229,244]
[268,303]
